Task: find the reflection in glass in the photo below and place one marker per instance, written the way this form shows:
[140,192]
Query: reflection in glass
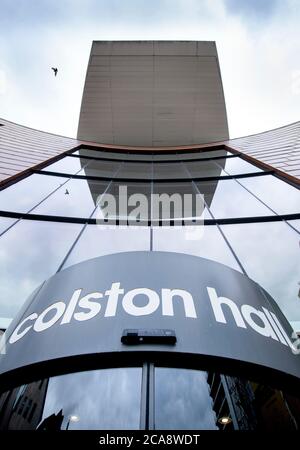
[26,193]
[235,166]
[202,169]
[67,165]
[182,400]
[279,195]
[6,222]
[77,198]
[131,202]
[227,198]
[113,155]
[139,171]
[165,170]
[270,254]
[104,399]
[178,206]
[96,168]
[99,240]
[202,240]
[30,252]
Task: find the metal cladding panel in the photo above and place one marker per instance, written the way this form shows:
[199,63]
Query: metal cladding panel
[280,148]
[155,93]
[22,148]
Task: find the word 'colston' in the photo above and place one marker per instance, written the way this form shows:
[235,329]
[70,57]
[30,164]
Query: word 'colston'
[82,308]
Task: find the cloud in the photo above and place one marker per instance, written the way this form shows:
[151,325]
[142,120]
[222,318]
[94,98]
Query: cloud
[258,9]
[258,63]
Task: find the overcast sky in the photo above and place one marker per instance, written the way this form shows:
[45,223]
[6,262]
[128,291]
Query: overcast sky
[258,43]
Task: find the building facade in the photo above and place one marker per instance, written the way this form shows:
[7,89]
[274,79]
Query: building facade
[126,312]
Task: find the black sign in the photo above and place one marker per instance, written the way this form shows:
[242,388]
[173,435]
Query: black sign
[163,301]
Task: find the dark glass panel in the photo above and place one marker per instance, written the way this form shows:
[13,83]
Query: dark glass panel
[227,198]
[201,169]
[25,194]
[279,195]
[104,399]
[98,399]
[112,155]
[30,252]
[183,401]
[136,171]
[200,155]
[77,198]
[269,253]
[165,170]
[101,168]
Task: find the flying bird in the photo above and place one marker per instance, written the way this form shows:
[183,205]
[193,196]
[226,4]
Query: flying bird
[55,70]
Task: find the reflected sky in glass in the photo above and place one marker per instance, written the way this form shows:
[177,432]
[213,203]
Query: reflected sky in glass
[77,198]
[279,195]
[6,222]
[270,254]
[67,165]
[99,240]
[30,252]
[24,195]
[182,400]
[204,241]
[235,166]
[226,198]
[101,399]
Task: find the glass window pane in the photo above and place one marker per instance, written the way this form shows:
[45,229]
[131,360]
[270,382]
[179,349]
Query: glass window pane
[279,195]
[30,252]
[295,224]
[96,168]
[165,170]
[101,399]
[235,166]
[113,155]
[67,165]
[135,171]
[201,169]
[25,194]
[77,198]
[269,253]
[135,195]
[227,198]
[99,240]
[204,241]
[183,401]
[200,155]
[6,222]
[177,191]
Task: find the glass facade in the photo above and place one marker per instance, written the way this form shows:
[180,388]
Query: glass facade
[51,220]
[118,398]
[70,191]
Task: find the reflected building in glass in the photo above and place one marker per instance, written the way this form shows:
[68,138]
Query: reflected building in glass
[153,120]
